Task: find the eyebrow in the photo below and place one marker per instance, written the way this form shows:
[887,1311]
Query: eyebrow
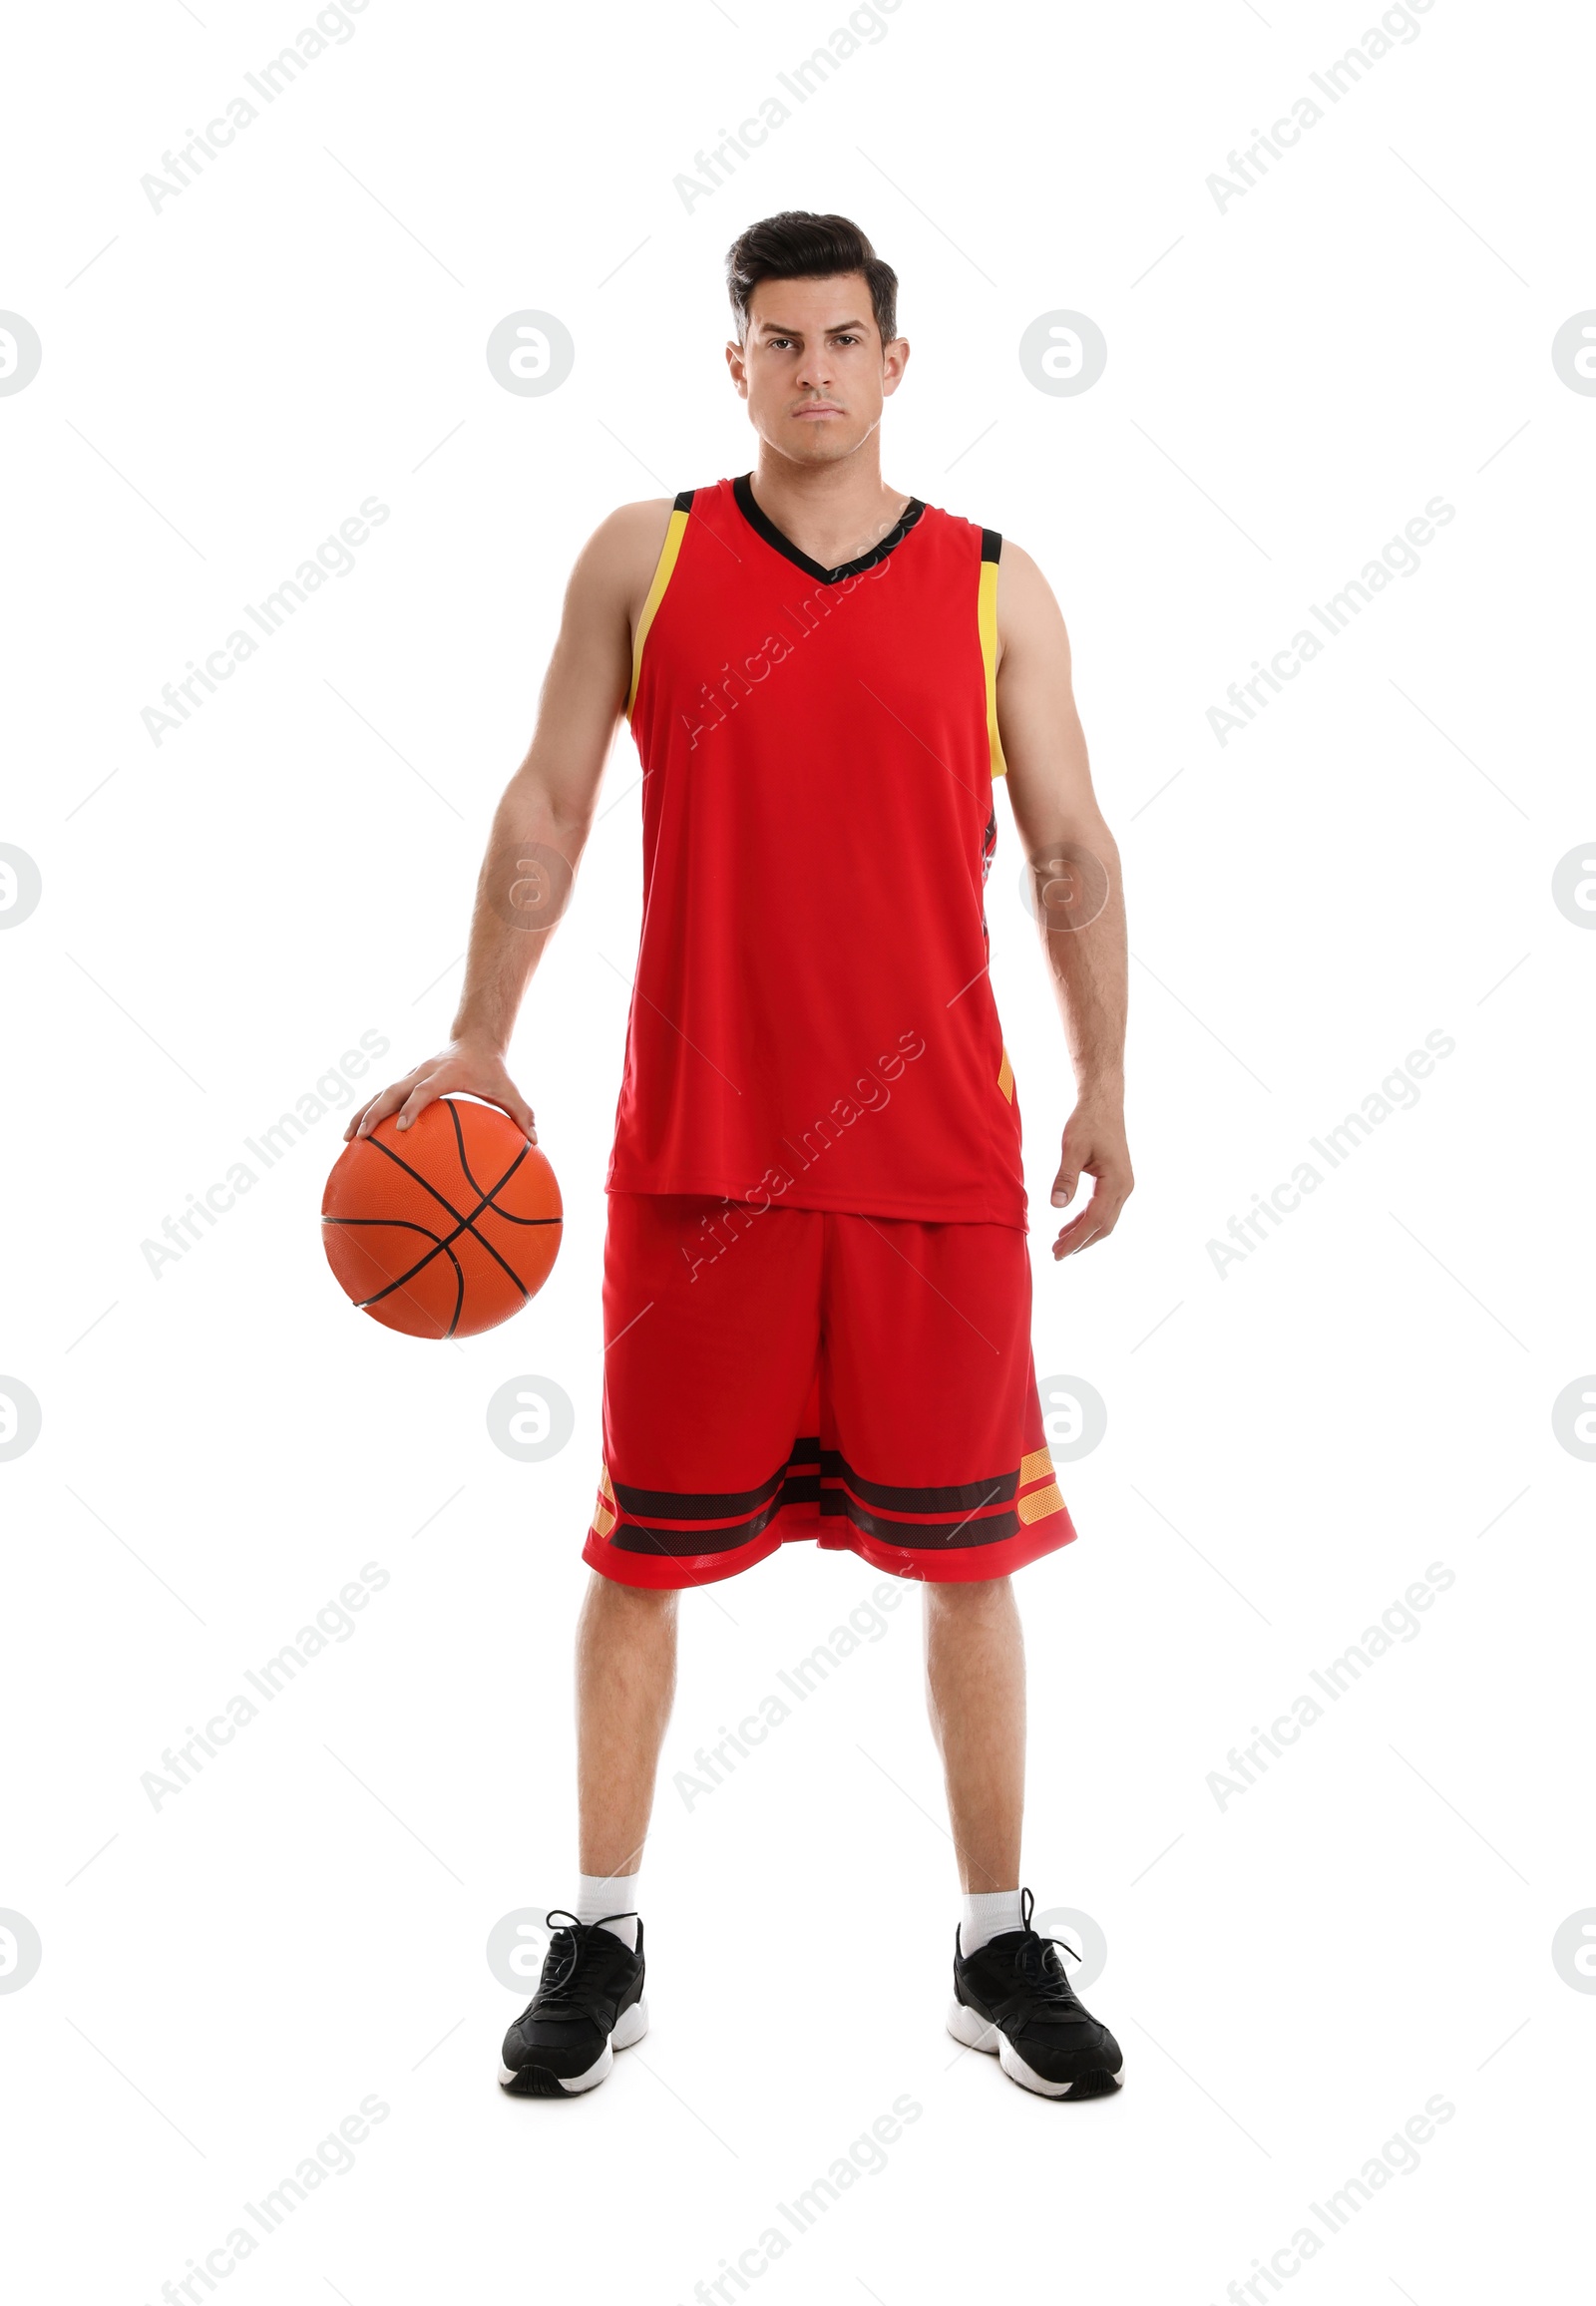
[785,328]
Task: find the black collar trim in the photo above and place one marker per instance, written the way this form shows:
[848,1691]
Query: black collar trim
[742,489]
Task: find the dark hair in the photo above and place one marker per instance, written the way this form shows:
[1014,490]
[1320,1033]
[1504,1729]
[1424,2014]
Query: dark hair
[799,246]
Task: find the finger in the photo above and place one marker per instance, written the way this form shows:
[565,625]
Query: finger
[1074,1237]
[1104,1211]
[1064,1185]
[515,1105]
[380,1107]
[421,1096]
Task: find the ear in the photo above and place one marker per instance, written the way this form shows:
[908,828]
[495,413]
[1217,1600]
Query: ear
[736,361]
[894,360]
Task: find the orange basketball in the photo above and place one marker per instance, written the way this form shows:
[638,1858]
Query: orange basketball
[445,1228]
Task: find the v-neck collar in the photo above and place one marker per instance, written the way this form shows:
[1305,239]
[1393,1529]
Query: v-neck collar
[763,526]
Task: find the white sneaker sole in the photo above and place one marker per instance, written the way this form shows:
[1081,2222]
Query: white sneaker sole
[630,2027]
[975,2033]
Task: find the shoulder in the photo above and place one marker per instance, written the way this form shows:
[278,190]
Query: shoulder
[1027,608]
[629,531]
[616,565]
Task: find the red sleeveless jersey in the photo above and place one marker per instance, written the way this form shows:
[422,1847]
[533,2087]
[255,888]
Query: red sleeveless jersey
[812,1021]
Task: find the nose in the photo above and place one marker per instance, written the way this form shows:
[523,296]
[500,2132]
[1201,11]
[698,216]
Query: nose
[814,371]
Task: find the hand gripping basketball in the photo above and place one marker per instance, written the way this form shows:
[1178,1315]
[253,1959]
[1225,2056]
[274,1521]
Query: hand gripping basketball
[445,1229]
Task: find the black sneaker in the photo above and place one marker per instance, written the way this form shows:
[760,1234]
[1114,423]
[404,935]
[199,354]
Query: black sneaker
[588,2004]
[1013,1996]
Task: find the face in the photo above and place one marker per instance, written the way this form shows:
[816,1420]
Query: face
[813,368]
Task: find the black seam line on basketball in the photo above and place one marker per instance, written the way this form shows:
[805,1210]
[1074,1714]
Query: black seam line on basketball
[399,1224]
[408,1225]
[364,1305]
[508,1215]
[461,1224]
[428,1186]
[763,526]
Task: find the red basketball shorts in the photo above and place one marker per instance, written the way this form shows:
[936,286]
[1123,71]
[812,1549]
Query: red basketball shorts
[781,1373]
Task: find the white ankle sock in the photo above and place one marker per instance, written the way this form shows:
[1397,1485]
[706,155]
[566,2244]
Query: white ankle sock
[986,1914]
[601,1894]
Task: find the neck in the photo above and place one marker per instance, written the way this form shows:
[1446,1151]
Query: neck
[833,512]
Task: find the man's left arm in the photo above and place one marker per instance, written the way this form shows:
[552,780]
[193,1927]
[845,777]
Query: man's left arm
[1077,892]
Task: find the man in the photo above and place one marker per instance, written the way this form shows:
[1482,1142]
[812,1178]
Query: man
[817,1287]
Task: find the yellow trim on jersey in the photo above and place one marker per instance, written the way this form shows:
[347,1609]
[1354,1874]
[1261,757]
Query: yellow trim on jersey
[987,618]
[1006,1078]
[674,532]
[1032,1468]
[1040,1502]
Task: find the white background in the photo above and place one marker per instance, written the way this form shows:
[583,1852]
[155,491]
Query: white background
[1288,1447]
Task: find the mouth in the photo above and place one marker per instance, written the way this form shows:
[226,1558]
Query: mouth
[814,408]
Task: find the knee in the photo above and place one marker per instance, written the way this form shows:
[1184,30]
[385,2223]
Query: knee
[978,1596]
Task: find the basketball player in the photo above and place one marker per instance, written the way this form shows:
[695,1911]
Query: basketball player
[817,1286]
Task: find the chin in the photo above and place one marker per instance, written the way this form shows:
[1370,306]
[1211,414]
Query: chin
[819,444]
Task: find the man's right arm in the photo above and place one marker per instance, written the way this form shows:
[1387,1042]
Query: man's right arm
[541,823]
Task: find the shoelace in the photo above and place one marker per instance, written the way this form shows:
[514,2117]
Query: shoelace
[1047,1979]
[560,1990]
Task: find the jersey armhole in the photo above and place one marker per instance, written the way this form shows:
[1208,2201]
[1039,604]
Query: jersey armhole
[992,546]
[676,529]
